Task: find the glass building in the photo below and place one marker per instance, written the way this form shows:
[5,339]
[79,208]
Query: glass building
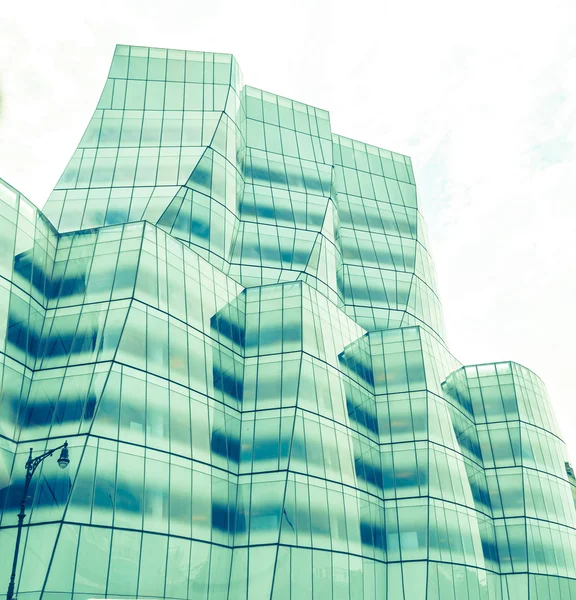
[230,313]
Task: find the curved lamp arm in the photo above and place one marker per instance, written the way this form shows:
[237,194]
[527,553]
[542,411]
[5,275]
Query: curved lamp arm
[32,463]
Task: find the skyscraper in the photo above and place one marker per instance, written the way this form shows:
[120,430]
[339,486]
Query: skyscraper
[230,313]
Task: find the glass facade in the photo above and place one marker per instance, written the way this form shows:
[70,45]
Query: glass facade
[230,313]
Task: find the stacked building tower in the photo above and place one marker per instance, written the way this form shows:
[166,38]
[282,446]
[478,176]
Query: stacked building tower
[230,313]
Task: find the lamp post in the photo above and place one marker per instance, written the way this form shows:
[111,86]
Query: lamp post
[31,465]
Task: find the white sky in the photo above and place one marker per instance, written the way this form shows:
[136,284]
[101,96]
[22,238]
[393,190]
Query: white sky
[481,95]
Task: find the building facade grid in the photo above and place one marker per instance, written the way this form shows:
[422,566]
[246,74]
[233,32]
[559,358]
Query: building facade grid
[230,313]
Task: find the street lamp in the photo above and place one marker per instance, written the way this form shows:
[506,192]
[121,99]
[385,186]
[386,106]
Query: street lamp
[31,465]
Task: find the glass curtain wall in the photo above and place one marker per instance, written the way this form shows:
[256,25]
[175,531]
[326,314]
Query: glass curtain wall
[230,313]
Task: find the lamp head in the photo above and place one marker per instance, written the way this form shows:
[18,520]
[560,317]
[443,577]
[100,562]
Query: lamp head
[64,458]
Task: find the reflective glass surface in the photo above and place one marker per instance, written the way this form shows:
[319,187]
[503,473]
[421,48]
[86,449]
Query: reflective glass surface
[230,313]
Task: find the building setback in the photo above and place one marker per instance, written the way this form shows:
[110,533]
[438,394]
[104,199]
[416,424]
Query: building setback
[230,313]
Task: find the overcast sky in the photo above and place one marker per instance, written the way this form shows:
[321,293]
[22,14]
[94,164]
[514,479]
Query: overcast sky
[481,95]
